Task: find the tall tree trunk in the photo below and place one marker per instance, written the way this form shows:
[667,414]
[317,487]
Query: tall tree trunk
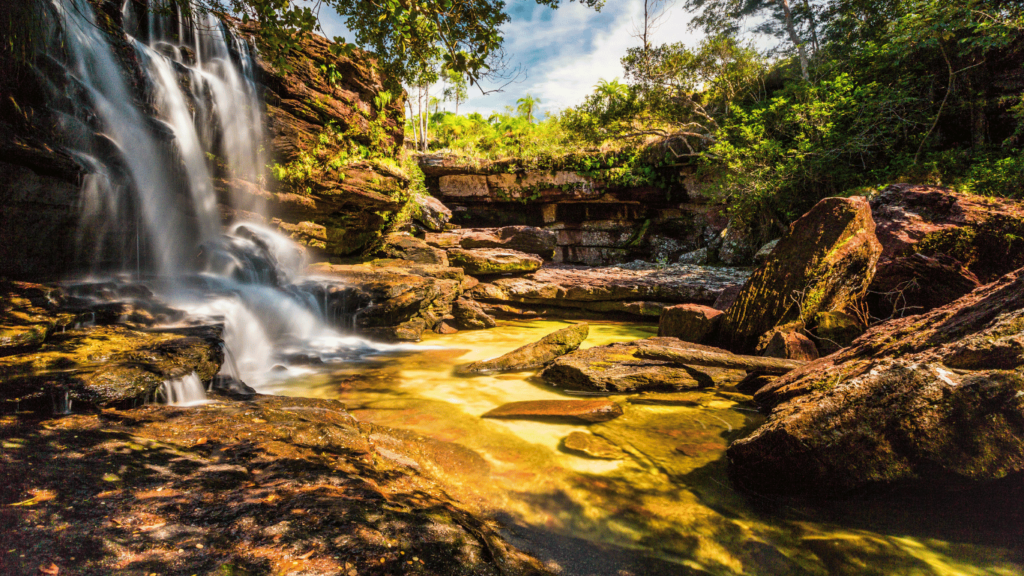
[413,122]
[800,49]
[814,26]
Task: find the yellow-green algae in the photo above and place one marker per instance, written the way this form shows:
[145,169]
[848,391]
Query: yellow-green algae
[670,497]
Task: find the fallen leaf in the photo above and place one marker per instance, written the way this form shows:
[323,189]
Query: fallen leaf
[51,570]
[201,441]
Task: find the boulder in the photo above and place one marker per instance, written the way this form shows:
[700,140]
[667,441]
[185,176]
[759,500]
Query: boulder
[824,263]
[534,355]
[430,212]
[620,368]
[788,342]
[522,238]
[581,411]
[916,284]
[592,446]
[470,316]
[936,398]
[689,322]
[726,297]
[483,261]
[405,247]
[762,255]
[442,240]
[698,257]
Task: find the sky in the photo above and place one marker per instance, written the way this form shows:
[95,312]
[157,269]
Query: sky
[563,53]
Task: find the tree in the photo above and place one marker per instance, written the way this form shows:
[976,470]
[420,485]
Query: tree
[526,105]
[455,87]
[401,33]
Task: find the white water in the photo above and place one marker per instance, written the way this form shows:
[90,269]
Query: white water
[184,391]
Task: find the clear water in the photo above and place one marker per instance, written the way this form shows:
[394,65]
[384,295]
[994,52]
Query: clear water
[668,506]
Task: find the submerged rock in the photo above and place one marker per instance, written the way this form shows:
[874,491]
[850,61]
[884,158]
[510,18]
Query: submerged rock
[585,411]
[482,261]
[619,368]
[592,446]
[936,398]
[824,263]
[534,355]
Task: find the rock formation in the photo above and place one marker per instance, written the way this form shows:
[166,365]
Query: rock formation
[535,355]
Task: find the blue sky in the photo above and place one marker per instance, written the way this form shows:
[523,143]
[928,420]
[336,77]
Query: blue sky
[563,52]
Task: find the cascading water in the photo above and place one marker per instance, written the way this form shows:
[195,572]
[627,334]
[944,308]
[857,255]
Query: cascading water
[151,170]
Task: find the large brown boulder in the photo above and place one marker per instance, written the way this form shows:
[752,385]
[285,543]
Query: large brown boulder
[978,231]
[484,261]
[620,368]
[937,398]
[522,238]
[534,355]
[824,263]
[469,315]
[689,322]
[917,283]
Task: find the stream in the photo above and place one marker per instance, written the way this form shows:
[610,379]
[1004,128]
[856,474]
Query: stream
[666,506]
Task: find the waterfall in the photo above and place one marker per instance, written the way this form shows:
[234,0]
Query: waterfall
[152,164]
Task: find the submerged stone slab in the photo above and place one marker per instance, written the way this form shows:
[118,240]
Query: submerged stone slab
[586,411]
[619,368]
[592,446]
[534,355]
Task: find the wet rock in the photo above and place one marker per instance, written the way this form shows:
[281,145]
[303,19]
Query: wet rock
[916,284]
[619,368]
[698,257]
[765,252]
[29,313]
[824,263]
[107,366]
[755,381]
[483,261]
[386,303]
[689,322]
[521,238]
[642,290]
[469,315]
[534,355]
[430,212]
[936,398]
[788,342]
[585,411]
[232,387]
[405,247]
[593,446]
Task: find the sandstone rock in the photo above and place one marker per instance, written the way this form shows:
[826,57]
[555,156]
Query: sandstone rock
[534,355]
[464,185]
[762,255]
[619,368]
[636,291]
[835,330]
[470,316]
[592,446]
[522,238]
[698,257]
[406,247]
[787,342]
[726,297]
[824,263]
[386,303]
[936,398]
[975,230]
[442,240]
[585,411]
[689,322]
[916,284]
[482,261]
[430,212]
[103,366]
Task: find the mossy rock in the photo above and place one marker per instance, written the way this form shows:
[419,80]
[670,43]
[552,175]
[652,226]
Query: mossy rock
[484,261]
[533,356]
